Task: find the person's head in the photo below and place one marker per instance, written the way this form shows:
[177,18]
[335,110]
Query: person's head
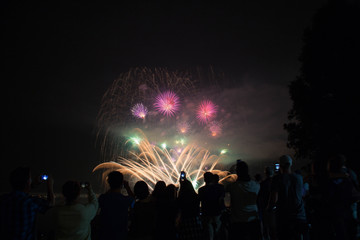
[258,177]
[159,189]
[71,191]
[216,178]
[208,177]
[269,171]
[285,162]
[20,179]
[141,190]
[115,179]
[170,192]
[242,171]
[336,163]
[186,189]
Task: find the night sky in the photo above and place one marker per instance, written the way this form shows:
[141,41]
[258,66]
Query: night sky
[59,59]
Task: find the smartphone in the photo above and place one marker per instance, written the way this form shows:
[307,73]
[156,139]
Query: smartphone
[44,177]
[182,176]
[277,167]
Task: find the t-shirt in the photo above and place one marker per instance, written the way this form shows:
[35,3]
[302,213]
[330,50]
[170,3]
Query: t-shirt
[18,213]
[73,221]
[290,191]
[113,217]
[212,199]
[243,195]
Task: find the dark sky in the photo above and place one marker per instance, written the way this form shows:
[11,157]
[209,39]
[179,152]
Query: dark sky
[61,57]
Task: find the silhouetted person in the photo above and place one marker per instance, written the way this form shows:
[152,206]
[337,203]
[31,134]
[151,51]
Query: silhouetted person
[18,210]
[258,178]
[190,226]
[143,218]
[212,204]
[244,212]
[159,190]
[114,208]
[166,214]
[340,195]
[287,201]
[72,220]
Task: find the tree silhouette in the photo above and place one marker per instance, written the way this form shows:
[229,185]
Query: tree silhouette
[324,118]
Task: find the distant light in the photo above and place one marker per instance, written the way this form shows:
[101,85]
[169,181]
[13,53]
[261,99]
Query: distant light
[136,140]
[223,151]
[163,145]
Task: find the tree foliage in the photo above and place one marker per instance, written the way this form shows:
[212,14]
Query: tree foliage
[324,118]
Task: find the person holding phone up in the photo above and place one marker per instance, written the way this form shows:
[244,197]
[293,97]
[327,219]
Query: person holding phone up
[72,220]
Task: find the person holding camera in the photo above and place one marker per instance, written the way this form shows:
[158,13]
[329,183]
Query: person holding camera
[72,220]
[286,201]
[18,209]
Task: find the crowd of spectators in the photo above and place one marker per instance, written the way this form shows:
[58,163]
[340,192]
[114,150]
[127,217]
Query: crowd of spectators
[285,205]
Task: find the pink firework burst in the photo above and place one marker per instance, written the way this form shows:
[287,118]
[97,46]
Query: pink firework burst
[183,127]
[139,110]
[206,111]
[215,128]
[167,103]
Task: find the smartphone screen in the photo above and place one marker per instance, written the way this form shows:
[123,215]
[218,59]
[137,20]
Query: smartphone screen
[44,177]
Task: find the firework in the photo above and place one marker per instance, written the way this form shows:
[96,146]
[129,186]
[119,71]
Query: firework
[167,103]
[139,110]
[152,163]
[206,111]
[132,87]
[183,127]
[215,128]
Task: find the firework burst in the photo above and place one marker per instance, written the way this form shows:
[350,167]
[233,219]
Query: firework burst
[206,111]
[167,103]
[152,163]
[215,128]
[183,127]
[139,111]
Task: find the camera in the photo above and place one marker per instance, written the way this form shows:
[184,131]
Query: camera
[182,176]
[44,177]
[84,184]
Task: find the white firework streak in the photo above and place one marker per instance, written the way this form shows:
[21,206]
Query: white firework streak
[152,163]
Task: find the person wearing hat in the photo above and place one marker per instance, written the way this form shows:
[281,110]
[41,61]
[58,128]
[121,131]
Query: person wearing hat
[286,201]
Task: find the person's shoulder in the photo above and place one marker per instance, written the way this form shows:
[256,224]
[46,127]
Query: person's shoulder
[254,184]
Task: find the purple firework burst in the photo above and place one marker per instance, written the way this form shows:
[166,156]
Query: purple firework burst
[167,103]
[139,111]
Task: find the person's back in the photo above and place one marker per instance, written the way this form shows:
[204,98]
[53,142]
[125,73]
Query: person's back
[18,210]
[290,195]
[72,220]
[143,219]
[166,213]
[190,226]
[340,195]
[114,208]
[211,196]
[287,201]
[244,212]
